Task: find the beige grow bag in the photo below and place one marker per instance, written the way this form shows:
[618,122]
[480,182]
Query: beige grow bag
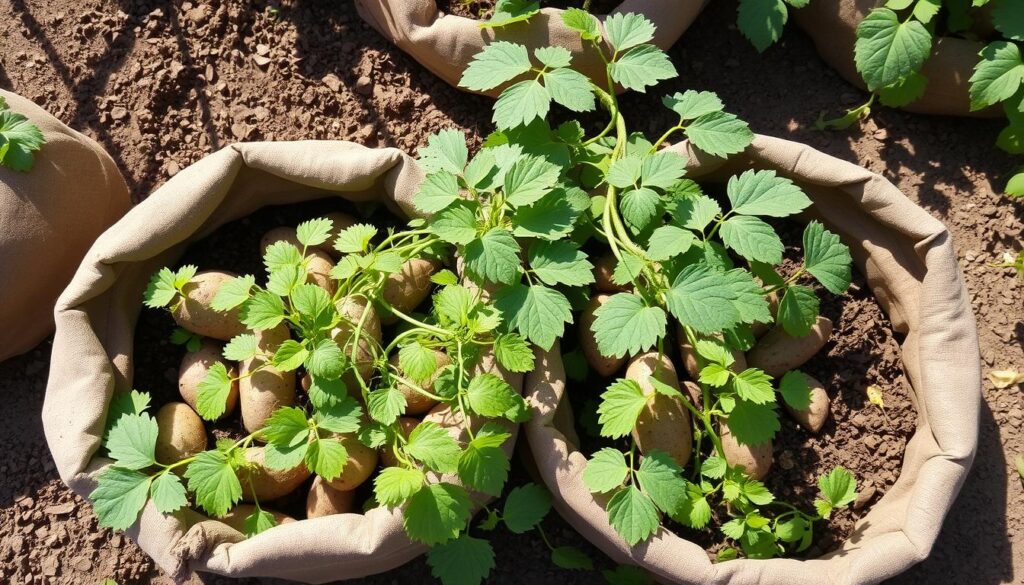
[49,217]
[832,25]
[92,351]
[908,258]
[445,44]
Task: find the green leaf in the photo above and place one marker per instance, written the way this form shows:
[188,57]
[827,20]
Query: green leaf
[289,355]
[695,213]
[395,485]
[639,208]
[795,390]
[571,559]
[453,304]
[326,458]
[762,21]
[715,375]
[909,89]
[385,405]
[123,403]
[582,22]
[445,151]
[838,487]
[1008,18]
[525,507]
[444,277]
[508,12]
[326,360]
[755,386]
[324,393]
[131,443]
[537,312]
[714,467]
[826,258]
[702,298]
[490,396]
[494,257]
[641,66]
[625,325]
[560,262]
[1011,138]
[752,238]
[719,134]
[627,575]
[463,561]
[529,179]
[119,496]
[925,10]
[692,104]
[287,427]
[889,49]
[315,306]
[19,139]
[570,88]
[259,521]
[668,241]
[553,57]
[1015,186]
[633,515]
[457,223]
[520,104]
[168,493]
[284,457]
[620,406]
[314,232]
[262,311]
[417,362]
[342,416]
[431,444]
[997,76]
[662,169]
[625,172]
[437,513]
[660,477]
[606,470]
[281,254]
[484,468]
[625,30]
[753,424]
[212,393]
[551,217]
[211,477]
[160,291]
[766,194]
[233,293]
[437,191]
[241,348]
[513,353]
[798,310]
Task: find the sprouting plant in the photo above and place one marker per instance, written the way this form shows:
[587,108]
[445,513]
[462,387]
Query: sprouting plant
[19,139]
[1011,261]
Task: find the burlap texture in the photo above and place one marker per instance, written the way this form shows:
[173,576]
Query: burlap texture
[445,43]
[49,217]
[92,353]
[910,265]
[832,25]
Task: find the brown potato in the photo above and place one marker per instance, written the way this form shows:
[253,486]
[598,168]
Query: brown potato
[695,393]
[417,403]
[693,363]
[351,310]
[603,365]
[181,434]
[405,290]
[814,417]
[664,423]
[318,269]
[361,463]
[269,484]
[604,267]
[387,455]
[756,460]
[778,352]
[268,389]
[195,313]
[236,517]
[323,500]
[193,370]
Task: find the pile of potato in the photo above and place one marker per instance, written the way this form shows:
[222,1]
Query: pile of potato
[182,432]
[665,423]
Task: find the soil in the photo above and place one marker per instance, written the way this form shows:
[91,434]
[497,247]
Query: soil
[161,84]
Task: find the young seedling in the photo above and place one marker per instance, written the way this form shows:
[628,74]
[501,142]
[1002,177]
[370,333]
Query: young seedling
[19,139]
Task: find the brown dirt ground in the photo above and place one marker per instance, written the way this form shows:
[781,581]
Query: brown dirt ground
[162,84]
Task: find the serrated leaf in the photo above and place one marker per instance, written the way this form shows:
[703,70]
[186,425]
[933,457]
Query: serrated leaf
[719,134]
[838,487]
[437,191]
[998,75]
[119,496]
[463,561]
[826,258]
[642,66]
[131,442]
[19,140]
[513,353]
[762,21]
[570,88]
[662,169]
[212,393]
[490,396]
[326,458]
[395,485]
[431,444]
[520,104]
[233,293]
[606,470]
[692,104]
[752,239]
[695,213]
[766,194]
[537,312]
[625,325]
[660,477]
[494,257]
[263,310]
[702,298]
[550,217]
[625,30]
[798,310]
[889,49]
[241,348]
[560,262]
[529,179]
[445,151]
[314,232]
[168,493]
[582,22]
[714,467]
[259,521]
[280,254]
[457,223]
[437,513]
[668,241]
[633,515]
[341,416]
[621,404]
[795,390]
[286,427]
[212,479]
[289,355]
[326,360]
[754,385]
[484,468]
[385,405]
[525,507]
[160,291]
[639,208]
[753,424]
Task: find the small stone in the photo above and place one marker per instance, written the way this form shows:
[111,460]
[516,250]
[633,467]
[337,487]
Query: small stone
[331,80]
[364,86]
[863,497]
[119,113]
[262,49]
[261,60]
[26,502]
[60,509]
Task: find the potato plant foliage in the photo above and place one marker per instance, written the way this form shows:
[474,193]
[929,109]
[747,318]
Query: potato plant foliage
[19,139]
[516,214]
